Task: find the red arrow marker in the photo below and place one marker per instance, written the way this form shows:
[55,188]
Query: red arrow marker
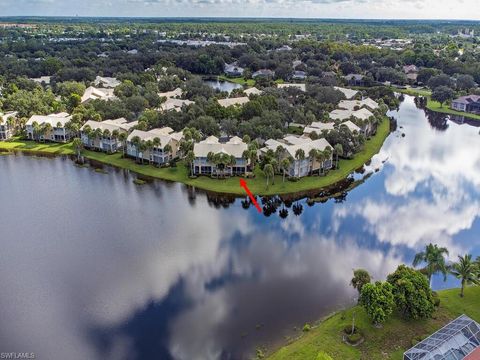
[243,184]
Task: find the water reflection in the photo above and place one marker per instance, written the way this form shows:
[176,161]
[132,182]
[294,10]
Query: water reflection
[111,270]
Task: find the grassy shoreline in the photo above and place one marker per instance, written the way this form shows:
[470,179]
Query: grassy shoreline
[388,342]
[435,105]
[227,186]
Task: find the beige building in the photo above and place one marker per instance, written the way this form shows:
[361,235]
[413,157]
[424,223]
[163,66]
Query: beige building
[239,101]
[300,167]
[101,135]
[175,104]
[235,147]
[151,145]
[7,129]
[93,93]
[49,127]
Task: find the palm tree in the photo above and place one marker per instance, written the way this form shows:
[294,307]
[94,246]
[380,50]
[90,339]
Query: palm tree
[46,128]
[211,160]
[246,139]
[279,151]
[142,148]
[253,158]
[149,147]
[338,152]
[434,257]
[268,170]
[168,150]
[274,164]
[123,139]
[327,154]
[136,142]
[189,159]
[77,145]
[36,130]
[300,156]
[465,270]
[313,155]
[246,156]
[115,135]
[97,134]
[156,142]
[285,164]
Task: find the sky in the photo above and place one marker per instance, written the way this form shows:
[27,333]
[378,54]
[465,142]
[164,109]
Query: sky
[353,9]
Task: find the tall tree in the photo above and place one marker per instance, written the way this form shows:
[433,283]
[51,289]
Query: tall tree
[467,271]
[434,258]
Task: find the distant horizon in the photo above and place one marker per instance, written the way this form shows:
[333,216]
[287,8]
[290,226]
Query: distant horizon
[236,18]
[447,10]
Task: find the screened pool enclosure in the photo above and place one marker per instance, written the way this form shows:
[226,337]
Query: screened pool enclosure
[452,342]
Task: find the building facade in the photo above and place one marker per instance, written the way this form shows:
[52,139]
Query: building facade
[470,104]
[229,157]
[6,129]
[151,146]
[49,128]
[104,136]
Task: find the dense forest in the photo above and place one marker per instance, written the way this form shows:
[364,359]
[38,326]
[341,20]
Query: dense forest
[73,52]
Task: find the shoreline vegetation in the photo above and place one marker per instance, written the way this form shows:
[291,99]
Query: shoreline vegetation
[435,105]
[388,342]
[179,173]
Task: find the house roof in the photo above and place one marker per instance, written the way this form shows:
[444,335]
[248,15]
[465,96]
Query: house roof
[457,340]
[171,94]
[349,93]
[252,91]
[52,119]
[467,99]
[293,143]
[263,72]
[342,114]
[357,77]
[111,125]
[93,93]
[234,147]
[407,69]
[233,101]
[107,82]
[44,79]
[351,104]
[301,87]
[318,127]
[6,116]
[175,104]
[163,134]
[351,126]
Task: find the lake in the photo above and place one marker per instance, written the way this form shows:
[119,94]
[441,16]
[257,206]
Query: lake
[222,85]
[93,266]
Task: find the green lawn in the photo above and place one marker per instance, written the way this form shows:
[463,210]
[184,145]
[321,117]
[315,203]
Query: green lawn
[388,342]
[237,80]
[435,105]
[230,185]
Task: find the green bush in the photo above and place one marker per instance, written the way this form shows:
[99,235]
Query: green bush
[436,299]
[412,293]
[323,356]
[348,329]
[306,327]
[354,338]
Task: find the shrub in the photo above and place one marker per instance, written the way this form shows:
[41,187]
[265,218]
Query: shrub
[377,299]
[323,356]
[306,327]
[348,330]
[354,339]
[412,293]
